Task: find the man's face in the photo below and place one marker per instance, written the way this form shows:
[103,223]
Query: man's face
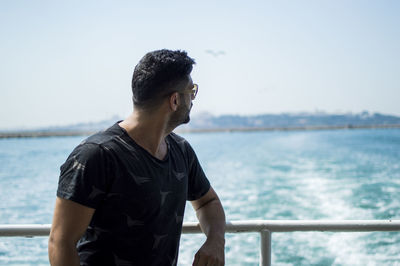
[184,108]
[182,114]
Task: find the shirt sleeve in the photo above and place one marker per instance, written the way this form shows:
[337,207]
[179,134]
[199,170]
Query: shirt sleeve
[83,177]
[198,184]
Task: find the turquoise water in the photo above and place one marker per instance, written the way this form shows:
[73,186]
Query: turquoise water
[331,174]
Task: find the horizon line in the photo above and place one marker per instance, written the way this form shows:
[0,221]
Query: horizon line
[194,116]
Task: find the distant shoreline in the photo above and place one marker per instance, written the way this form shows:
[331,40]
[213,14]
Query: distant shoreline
[39,134]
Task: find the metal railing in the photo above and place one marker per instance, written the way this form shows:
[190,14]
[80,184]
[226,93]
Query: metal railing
[264,227]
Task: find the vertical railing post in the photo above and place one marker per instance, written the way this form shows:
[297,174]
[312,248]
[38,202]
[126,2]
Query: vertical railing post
[265,248]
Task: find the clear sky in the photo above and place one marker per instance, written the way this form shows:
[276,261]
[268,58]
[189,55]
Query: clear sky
[64,62]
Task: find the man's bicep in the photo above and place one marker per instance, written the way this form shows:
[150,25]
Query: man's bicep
[70,220]
[211,195]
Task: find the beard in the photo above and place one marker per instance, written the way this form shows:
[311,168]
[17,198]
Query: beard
[181,116]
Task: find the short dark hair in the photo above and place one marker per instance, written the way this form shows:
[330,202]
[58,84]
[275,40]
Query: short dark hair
[156,73]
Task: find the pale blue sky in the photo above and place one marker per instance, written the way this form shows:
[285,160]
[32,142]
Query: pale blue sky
[72,61]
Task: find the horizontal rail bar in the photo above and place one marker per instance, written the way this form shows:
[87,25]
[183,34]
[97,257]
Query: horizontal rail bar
[26,230]
[303,225]
[30,230]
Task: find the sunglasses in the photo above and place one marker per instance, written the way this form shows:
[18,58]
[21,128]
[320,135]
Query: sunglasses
[192,91]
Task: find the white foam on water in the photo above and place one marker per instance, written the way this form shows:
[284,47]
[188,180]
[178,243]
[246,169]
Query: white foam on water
[329,198]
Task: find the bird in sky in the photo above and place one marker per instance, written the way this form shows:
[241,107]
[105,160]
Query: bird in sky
[215,53]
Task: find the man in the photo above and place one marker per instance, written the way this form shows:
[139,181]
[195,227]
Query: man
[122,192]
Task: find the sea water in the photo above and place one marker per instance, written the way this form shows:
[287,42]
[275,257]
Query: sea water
[290,175]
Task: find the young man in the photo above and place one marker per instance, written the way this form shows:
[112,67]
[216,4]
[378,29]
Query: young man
[122,192]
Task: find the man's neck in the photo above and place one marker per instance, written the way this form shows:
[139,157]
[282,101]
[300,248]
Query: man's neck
[149,131]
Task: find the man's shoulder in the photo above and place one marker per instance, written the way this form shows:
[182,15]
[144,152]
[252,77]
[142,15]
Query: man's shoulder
[94,147]
[182,143]
[179,140]
[96,144]
[103,137]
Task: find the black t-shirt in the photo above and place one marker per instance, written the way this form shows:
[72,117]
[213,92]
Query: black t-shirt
[139,199]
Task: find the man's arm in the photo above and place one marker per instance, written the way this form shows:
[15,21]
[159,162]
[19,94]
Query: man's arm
[70,221]
[211,216]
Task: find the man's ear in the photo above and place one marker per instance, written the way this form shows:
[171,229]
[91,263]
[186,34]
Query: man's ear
[174,101]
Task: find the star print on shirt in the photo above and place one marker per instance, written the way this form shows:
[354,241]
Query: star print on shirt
[164,196]
[77,165]
[178,218]
[95,192]
[157,240]
[120,262]
[141,179]
[178,175]
[130,222]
